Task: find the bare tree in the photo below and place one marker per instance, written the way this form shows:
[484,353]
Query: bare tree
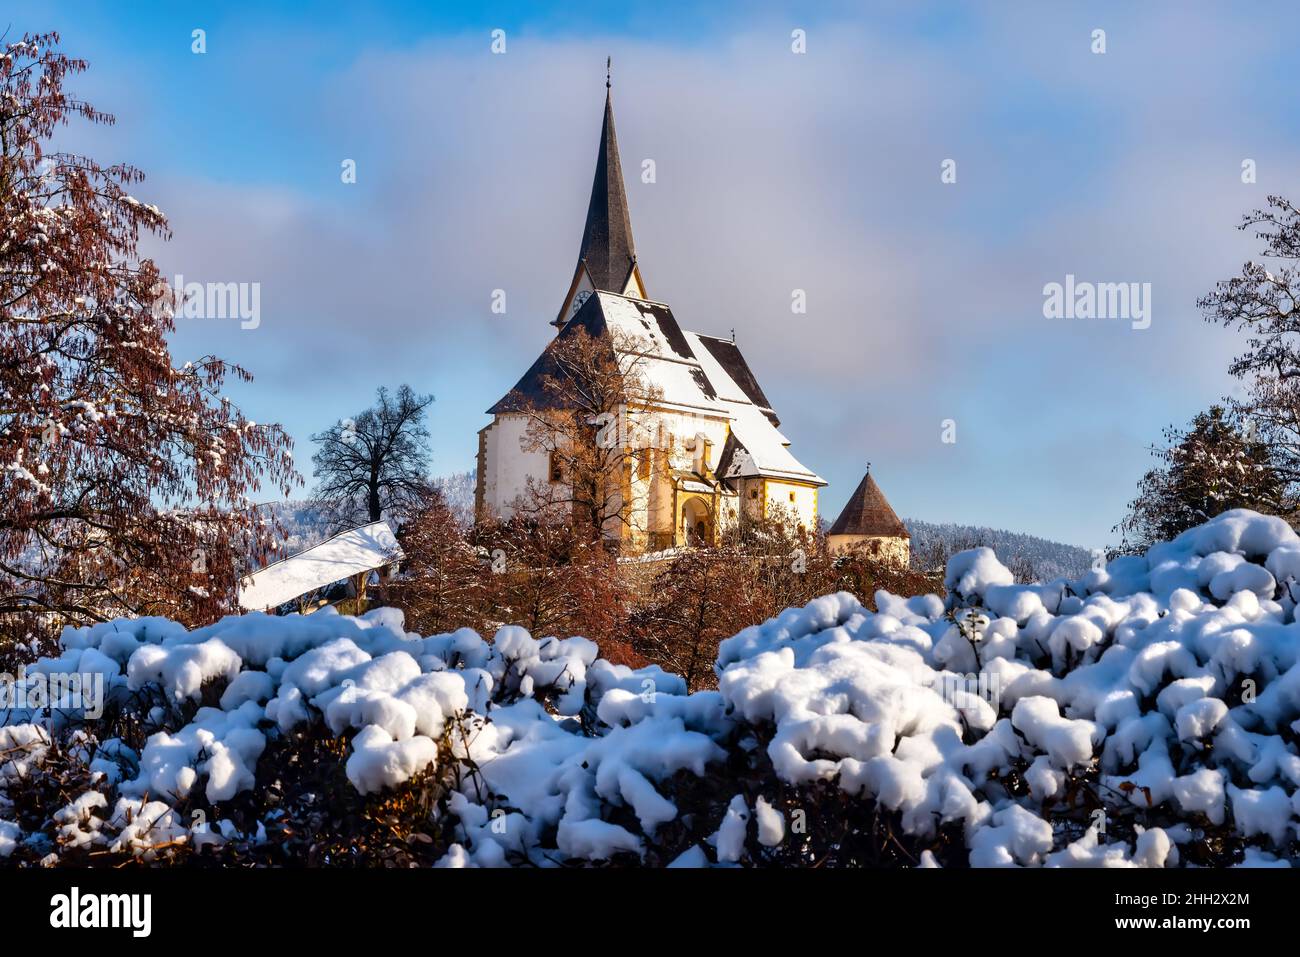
[594,409]
[376,464]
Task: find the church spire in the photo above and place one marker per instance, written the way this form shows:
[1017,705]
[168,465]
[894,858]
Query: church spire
[607,247]
[607,257]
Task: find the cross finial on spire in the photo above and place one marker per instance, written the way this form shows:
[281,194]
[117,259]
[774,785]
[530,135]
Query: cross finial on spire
[609,69]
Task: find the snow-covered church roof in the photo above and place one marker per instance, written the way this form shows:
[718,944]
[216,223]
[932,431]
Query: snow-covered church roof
[346,554]
[693,373]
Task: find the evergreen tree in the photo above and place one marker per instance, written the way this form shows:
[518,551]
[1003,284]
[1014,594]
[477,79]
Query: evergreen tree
[1217,464]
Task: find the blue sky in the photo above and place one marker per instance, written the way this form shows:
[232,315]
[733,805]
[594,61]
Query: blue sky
[776,171]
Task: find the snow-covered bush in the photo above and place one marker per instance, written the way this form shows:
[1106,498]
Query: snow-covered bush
[1145,715]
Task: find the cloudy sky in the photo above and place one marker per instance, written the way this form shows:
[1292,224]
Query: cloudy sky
[775,171]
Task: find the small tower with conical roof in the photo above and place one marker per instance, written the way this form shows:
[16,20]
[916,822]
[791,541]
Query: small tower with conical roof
[869,524]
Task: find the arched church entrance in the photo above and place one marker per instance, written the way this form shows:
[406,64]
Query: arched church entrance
[697,523]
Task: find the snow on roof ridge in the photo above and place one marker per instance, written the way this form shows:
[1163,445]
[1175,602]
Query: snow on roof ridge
[323,541]
[620,295]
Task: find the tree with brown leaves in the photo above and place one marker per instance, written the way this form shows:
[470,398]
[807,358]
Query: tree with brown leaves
[593,411]
[703,596]
[443,585]
[124,480]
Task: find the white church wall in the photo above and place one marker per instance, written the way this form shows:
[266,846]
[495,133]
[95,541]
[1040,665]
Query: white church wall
[509,465]
[677,431]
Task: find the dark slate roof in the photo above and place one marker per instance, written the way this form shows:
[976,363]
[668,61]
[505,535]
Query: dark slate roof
[665,324]
[607,247]
[729,450]
[733,363]
[868,513]
[530,391]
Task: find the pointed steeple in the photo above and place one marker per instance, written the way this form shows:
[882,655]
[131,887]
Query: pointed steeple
[607,246]
[607,257]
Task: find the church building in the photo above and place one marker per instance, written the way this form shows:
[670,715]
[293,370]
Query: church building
[704,453]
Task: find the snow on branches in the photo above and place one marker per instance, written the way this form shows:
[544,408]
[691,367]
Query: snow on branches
[1142,716]
[123,478]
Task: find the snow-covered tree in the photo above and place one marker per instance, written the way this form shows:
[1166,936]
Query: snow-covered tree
[1262,303]
[123,478]
[1213,466]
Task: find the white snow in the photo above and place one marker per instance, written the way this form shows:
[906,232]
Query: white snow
[1167,686]
[346,554]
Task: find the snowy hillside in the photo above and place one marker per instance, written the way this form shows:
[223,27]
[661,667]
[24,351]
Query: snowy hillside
[1144,715]
[1032,558]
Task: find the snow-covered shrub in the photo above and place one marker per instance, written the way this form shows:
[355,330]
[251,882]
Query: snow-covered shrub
[1145,715]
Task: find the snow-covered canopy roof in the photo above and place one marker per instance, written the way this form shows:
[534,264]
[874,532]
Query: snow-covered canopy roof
[346,554]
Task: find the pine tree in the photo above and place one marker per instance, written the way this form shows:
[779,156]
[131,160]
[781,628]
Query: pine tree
[1215,465]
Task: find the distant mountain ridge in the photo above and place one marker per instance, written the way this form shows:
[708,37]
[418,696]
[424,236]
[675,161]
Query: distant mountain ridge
[1028,556]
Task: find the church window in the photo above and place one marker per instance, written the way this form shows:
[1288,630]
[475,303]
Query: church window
[753,493]
[556,468]
[643,465]
[792,496]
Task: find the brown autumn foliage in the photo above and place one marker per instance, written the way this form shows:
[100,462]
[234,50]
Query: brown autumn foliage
[671,611]
[542,576]
[124,477]
[700,598]
[586,419]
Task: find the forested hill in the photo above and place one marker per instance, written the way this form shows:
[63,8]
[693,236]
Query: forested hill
[1028,556]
